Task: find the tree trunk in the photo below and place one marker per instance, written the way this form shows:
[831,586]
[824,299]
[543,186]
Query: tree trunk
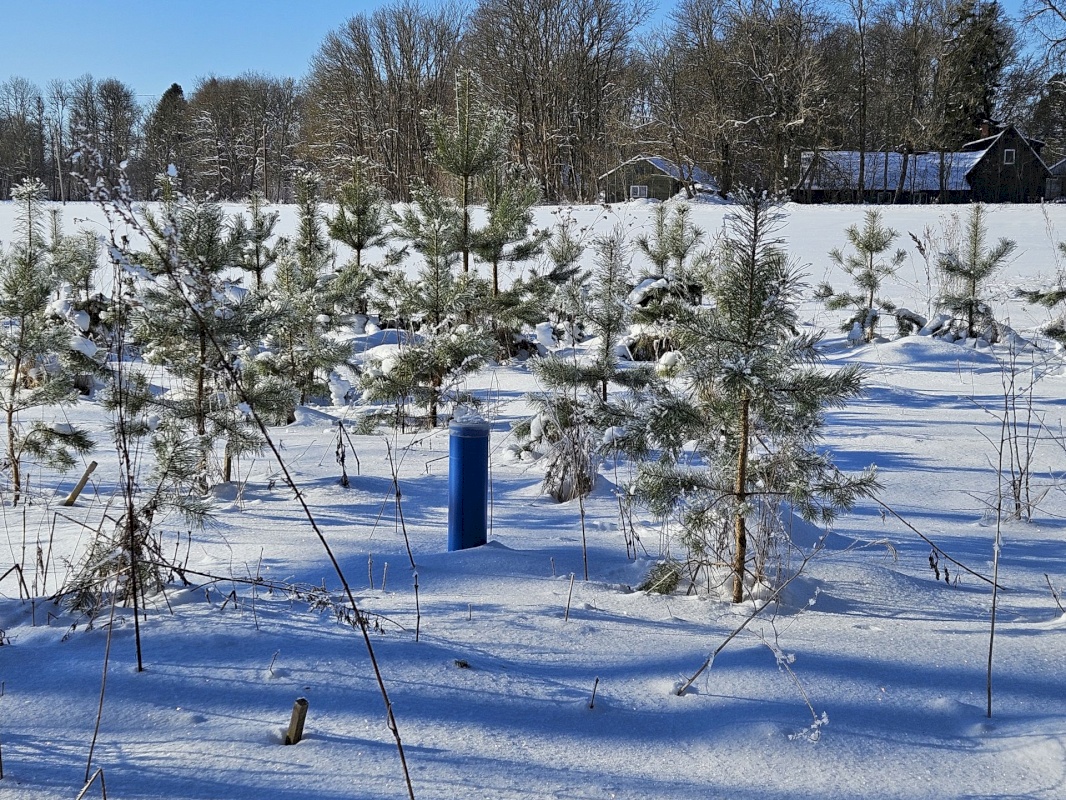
[871,316]
[12,457]
[902,173]
[436,382]
[12,450]
[201,401]
[971,309]
[740,531]
[466,225]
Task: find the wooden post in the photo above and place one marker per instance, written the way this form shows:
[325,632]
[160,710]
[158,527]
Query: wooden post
[296,723]
[81,484]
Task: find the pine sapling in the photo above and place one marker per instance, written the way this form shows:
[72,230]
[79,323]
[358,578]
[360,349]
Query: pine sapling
[253,238]
[869,264]
[967,270]
[35,355]
[750,397]
[467,145]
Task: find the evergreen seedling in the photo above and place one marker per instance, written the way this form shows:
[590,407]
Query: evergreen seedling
[507,236]
[750,401]
[188,262]
[35,354]
[467,145]
[672,246]
[430,366]
[362,215]
[868,263]
[300,352]
[575,408]
[663,578]
[252,238]
[967,270]
[673,285]
[361,222]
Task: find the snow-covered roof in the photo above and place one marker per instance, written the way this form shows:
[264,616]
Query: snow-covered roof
[839,169]
[986,142]
[981,144]
[690,172]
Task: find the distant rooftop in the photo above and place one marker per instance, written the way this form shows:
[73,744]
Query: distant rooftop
[689,172]
[839,169]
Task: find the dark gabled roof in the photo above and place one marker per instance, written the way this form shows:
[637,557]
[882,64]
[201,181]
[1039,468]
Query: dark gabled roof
[980,145]
[986,142]
[690,172]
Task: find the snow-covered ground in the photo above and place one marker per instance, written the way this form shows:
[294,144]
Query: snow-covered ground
[493,698]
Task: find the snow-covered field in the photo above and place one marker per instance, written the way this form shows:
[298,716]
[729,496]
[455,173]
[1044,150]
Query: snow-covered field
[493,698]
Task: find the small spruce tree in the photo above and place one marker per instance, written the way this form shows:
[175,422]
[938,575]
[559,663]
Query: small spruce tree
[300,350]
[362,214]
[674,283]
[73,258]
[252,237]
[442,343]
[575,407]
[507,236]
[361,222]
[190,258]
[672,245]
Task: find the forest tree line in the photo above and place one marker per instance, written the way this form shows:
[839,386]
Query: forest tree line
[738,87]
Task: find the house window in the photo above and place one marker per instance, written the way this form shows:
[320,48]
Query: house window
[637,192]
[1008,156]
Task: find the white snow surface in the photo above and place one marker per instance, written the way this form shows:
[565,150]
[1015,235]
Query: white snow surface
[493,696]
[82,345]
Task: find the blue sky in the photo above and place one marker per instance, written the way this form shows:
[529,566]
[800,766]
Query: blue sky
[150,44]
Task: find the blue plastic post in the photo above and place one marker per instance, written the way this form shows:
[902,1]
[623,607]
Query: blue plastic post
[468,484]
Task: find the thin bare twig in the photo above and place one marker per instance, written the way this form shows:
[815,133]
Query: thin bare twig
[933,544]
[124,209]
[89,783]
[684,687]
[1054,594]
[103,687]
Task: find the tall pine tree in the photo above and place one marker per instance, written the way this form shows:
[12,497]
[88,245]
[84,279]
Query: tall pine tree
[972,68]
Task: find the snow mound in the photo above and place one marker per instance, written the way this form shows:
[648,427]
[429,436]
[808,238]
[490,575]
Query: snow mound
[311,417]
[930,352]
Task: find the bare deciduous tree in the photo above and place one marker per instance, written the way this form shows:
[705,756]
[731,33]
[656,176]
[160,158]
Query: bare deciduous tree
[563,70]
[370,82]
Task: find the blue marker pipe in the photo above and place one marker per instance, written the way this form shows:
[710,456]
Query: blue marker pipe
[468,484]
